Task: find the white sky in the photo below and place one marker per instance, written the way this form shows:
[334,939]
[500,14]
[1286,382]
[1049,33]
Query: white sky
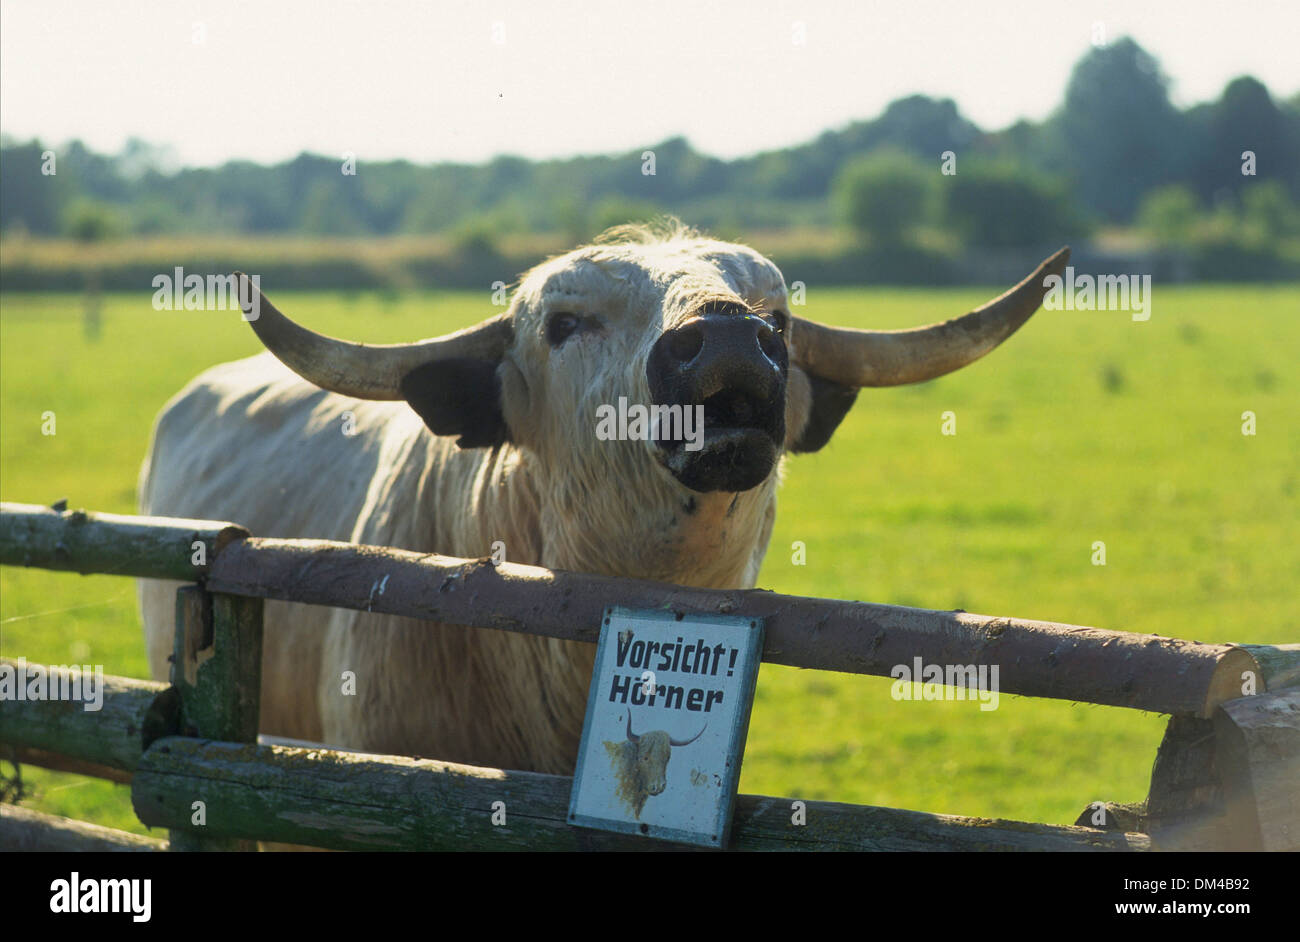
[427,81]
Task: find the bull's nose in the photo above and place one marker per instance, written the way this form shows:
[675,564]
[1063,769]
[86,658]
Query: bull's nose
[731,366]
[735,334]
[720,351]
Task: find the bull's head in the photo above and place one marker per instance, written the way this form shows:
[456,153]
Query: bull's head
[659,319]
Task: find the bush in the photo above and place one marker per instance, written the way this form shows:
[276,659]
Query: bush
[1267,211]
[1169,215]
[1002,205]
[884,197]
[91,221]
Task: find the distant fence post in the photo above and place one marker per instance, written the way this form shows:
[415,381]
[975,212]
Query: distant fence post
[217,667]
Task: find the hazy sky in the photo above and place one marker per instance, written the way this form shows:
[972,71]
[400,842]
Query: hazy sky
[465,81]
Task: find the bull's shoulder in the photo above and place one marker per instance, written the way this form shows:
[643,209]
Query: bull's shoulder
[253,387]
[260,397]
[249,441]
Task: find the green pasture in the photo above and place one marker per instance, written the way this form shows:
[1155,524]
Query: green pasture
[1085,427]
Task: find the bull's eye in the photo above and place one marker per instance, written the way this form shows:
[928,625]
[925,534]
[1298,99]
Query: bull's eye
[781,321]
[559,327]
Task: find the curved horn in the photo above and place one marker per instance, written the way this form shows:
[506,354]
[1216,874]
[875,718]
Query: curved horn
[362,371]
[631,736]
[895,357]
[687,742]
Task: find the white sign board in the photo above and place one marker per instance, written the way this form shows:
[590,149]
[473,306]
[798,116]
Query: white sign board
[666,723]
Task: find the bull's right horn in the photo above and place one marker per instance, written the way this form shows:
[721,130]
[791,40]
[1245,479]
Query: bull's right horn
[631,736]
[857,358]
[358,370]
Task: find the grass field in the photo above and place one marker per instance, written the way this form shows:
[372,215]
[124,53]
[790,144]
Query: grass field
[1085,427]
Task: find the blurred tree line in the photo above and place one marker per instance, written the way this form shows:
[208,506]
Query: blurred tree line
[1116,153]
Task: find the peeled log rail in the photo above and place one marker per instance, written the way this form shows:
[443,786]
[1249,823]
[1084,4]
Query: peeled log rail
[79,541]
[1034,658]
[133,714]
[351,801]
[22,829]
[1042,659]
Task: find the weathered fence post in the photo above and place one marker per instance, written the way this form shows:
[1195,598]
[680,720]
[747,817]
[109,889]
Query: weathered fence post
[1184,809]
[1258,742]
[217,667]
[1232,781]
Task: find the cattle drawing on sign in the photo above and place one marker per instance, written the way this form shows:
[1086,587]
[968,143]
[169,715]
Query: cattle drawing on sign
[641,764]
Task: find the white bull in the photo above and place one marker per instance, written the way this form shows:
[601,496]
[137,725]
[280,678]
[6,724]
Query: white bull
[490,435]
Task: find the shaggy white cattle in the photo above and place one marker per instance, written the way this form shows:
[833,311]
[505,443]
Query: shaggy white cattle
[490,434]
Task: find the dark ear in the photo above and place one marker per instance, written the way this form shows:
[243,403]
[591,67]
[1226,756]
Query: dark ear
[458,397]
[831,402]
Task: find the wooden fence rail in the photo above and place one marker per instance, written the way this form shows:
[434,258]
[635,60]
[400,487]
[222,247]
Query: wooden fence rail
[85,542]
[133,714]
[1034,658]
[1226,775]
[351,801]
[22,829]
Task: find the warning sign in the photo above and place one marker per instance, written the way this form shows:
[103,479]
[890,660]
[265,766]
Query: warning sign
[666,723]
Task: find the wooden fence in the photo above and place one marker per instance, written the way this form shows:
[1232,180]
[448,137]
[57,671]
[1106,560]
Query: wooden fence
[1227,775]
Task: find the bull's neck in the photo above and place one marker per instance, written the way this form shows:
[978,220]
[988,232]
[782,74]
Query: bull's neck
[650,528]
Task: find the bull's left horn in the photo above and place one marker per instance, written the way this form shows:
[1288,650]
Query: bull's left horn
[687,742]
[896,357]
[362,371]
